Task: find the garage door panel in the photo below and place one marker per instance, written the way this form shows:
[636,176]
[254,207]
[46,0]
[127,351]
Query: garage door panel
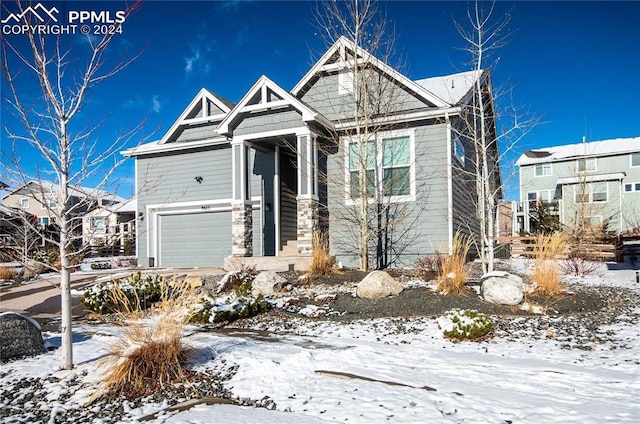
[197,239]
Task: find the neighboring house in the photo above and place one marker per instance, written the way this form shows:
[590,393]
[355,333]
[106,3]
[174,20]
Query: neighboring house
[41,199]
[112,226]
[598,181]
[256,178]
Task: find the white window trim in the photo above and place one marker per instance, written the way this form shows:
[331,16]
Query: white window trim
[22,203]
[535,168]
[635,187]
[350,201]
[631,165]
[590,191]
[457,141]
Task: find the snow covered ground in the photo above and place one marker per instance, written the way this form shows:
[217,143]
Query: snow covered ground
[385,370]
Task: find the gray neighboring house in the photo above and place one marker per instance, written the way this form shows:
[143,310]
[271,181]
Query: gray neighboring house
[600,179]
[252,179]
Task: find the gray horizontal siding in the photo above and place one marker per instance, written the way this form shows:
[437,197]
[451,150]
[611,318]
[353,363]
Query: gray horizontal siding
[196,132]
[324,97]
[271,121]
[170,178]
[421,227]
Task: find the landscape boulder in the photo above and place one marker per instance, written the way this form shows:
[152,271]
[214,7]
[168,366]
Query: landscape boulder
[267,283]
[32,270]
[503,288]
[378,285]
[20,336]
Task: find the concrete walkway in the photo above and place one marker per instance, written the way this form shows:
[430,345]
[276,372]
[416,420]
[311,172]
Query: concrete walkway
[40,299]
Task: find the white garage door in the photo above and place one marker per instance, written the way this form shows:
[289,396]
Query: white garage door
[196,239]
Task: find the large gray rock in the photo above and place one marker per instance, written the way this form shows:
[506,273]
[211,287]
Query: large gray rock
[378,285]
[32,270]
[503,288]
[19,336]
[267,283]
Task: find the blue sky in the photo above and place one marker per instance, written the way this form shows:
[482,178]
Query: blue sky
[575,64]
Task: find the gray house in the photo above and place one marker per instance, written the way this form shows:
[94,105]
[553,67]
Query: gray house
[256,179]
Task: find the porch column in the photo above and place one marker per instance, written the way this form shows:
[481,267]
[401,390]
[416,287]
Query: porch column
[241,210]
[307,149]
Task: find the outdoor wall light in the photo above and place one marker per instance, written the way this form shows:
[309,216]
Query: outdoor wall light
[199,179]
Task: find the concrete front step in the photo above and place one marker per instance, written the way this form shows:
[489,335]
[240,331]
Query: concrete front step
[269,263]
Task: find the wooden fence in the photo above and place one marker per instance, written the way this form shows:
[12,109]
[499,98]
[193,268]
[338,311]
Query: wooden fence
[525,246]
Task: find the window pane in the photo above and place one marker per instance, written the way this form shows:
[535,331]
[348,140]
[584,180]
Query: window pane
[599,192]
[370,183]
[635,159]
[396,152]
[354,156]
[582,197]
[637,186]
[397,181]
[628,187]
[532,196]
[543,169]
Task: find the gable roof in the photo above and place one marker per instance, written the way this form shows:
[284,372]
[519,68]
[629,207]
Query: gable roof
[343,44]
[451,88]
[75,191]
[266,94]
[610,147]
[198,112]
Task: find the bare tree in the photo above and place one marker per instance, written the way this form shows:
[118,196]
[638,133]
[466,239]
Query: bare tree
[483,34]
[375,225]
[50,125]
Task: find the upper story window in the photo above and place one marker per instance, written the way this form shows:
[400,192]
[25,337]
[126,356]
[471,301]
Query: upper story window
[43,220]
[635,159]
[543,170]
[587,165]
[630,187]
[388,162]
[592,192]
[98,223]
[458,149]
[24,203]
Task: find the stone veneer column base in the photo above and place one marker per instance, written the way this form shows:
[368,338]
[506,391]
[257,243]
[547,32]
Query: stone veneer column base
[241,229]
[307,222]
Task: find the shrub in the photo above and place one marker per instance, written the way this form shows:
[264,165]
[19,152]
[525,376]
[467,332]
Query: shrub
[46,256]
[462,324]
[321,260]
[546,251]
[454,276]
[233,279]
[238,304]
[429,267]
[124,295]
[7,273]
[578,264]
[101,265]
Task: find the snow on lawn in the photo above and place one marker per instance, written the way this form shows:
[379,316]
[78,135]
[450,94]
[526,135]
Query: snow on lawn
[396,370]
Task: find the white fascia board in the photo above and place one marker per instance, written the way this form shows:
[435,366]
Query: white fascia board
[160,148]
[591,178]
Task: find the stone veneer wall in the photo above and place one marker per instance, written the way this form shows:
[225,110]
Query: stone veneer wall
[241,229]
[307,222]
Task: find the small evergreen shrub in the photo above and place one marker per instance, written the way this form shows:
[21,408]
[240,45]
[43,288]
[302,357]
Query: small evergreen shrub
[101,265]
[462,324]
[237,304]
[123,295]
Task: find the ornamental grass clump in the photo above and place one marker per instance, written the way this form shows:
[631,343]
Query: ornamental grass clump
[321,260]
[150,352]
[547,250]
[465,324]
[454,277]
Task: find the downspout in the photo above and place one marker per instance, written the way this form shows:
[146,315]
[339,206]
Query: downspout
[449,185]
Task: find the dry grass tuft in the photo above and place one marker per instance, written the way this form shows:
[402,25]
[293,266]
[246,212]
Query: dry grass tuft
[454,276]
[321,260]
[150,352]
[7,273]
[547,250]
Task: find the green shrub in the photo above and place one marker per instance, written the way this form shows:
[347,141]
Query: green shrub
[464,324]
[123,295]
[238,304]
[101,265]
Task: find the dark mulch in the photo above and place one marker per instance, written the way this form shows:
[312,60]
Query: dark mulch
[415,302]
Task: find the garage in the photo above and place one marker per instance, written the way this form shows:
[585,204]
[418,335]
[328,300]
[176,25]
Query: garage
[194,239]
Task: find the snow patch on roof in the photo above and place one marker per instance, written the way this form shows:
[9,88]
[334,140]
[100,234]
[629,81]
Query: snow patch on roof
[451,88]
[591,149]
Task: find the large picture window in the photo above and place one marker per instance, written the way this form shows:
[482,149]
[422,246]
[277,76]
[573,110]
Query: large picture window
[592,192]
[388,162]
